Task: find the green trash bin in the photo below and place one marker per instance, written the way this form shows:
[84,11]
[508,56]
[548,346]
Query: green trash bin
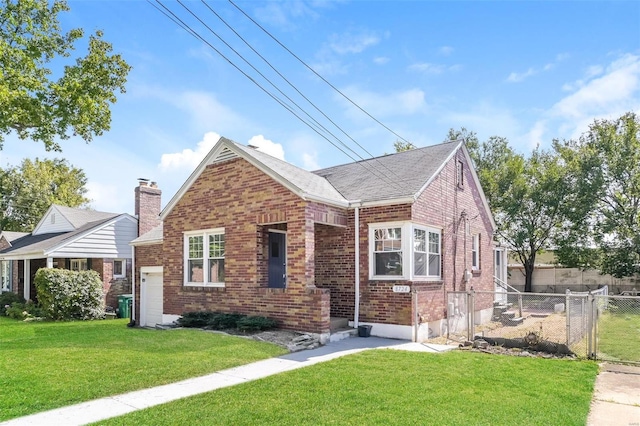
[124,305]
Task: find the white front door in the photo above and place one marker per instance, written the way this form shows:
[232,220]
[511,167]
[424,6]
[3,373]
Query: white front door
[151,301]
[500,274]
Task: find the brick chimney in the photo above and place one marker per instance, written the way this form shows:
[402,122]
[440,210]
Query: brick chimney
[147,209]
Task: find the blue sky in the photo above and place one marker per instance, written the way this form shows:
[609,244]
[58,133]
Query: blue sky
[528,71]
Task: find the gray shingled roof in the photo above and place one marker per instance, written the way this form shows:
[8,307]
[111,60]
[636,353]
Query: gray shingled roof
[308,182]
[152,236]
[43,242]
[391,176]
[79,217]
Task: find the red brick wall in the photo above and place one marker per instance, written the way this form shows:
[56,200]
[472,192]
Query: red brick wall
[147,207]
[238,197]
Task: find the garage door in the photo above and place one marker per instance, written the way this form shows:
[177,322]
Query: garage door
[151,298]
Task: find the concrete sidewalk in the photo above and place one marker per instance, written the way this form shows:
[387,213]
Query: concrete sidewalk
[616,399]
[105,408]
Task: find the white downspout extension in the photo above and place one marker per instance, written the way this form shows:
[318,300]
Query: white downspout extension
[356,309]
[133,283]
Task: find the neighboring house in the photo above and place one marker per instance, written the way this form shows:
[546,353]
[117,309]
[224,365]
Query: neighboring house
[378,242]
[75,239]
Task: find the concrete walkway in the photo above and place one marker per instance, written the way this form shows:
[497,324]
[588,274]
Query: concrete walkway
[105,408]
[616,400]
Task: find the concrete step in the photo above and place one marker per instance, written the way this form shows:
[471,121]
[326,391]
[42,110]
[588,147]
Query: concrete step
[338,323]
[513,322]
[342,334]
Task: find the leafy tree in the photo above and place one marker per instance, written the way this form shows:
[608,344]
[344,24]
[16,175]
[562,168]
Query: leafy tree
[605,230]
[400,146]
[528,196]
[33,104]
[26,192]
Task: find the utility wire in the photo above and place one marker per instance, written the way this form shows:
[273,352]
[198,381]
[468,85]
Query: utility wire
[183,25]
[316,73]
[195,34]
[292,86]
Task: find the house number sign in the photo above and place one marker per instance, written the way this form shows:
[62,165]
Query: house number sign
[401,289]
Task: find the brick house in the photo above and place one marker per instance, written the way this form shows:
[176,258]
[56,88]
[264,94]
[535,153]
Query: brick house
[377,242]
[76,239]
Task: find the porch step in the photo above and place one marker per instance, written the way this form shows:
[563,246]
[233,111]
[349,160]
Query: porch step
[343,333]
[338,324]
[498,310]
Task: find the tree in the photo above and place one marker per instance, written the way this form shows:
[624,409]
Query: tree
[33,104]
[26,192]
[528,196]
[605,230]
[400,146]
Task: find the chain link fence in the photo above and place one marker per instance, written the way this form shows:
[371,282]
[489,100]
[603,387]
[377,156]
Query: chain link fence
[590,325]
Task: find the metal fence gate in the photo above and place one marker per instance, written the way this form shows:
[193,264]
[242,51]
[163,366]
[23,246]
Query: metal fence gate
[592,325]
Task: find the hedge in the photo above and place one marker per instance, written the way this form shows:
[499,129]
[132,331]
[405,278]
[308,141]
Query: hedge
[65,295]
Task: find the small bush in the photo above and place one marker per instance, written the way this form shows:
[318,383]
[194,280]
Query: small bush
[67,294]
[24,311]
[256,323]
[225,321]
[7,299]
[196,319]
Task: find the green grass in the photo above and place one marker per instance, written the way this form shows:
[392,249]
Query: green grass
[44,365]
[619,337]
[383,387]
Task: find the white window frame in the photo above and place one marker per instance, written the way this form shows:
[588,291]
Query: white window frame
[6,268]
[460,173]
[407,253]
[82,264]
[475,252]
[428,253]
[123,273]
[206,282]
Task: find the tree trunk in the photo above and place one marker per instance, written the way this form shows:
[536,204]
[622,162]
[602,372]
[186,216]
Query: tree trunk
[528,277]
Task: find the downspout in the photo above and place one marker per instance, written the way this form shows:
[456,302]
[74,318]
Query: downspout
[133,286]
[356,309]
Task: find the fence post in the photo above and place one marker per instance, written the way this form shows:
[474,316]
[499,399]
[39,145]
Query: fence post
[567,309]
[590,323]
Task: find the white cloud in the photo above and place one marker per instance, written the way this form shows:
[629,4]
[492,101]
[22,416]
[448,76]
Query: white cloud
[267,146]
[188,158]
[446,50]
[310,161]
[287,14]
[349,43]
[380,60]
[427,68]
[515,77]
[535,136]
[611,93]
[404,102]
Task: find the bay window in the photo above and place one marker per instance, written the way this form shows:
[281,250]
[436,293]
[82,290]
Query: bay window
[404,251]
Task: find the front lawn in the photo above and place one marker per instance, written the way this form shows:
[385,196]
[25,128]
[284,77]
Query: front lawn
[382,387]
[619,336]
[44,365]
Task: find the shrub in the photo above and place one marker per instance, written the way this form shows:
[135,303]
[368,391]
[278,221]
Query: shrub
[196,319]
[24,311]
[67,294]
[256,323]
[225,321]
[7,299]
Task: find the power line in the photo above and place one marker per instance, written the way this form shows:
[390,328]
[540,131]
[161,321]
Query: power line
[290,84]
[316,73]
[195,34]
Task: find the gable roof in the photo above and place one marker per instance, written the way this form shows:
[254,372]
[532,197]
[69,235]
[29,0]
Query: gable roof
[10,236]
[43,244]
[393,176]
[73,218]
[305,184]
[398,177]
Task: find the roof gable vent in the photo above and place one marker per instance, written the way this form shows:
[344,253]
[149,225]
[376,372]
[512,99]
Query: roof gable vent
[224,155]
